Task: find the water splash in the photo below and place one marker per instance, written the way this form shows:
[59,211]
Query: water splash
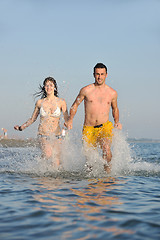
[121,153]
[77,162]
[81,158]
[72,154]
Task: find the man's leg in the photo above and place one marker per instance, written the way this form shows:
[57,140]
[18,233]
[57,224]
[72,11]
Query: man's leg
[107,154]
[88,137]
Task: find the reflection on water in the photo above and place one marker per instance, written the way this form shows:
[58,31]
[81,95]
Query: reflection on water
[40,203]
[92,206]
[95,194]
[95,199]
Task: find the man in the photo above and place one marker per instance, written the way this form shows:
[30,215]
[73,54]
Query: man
[98,99]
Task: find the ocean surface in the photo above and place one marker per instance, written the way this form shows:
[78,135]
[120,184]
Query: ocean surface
[38,201]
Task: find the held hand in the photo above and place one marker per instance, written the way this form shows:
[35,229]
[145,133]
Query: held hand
[68,124]
[118,125]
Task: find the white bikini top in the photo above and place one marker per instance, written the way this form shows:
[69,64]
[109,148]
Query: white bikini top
[56,113]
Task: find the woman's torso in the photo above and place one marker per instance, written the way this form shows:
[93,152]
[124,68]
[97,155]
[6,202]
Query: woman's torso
[50,112]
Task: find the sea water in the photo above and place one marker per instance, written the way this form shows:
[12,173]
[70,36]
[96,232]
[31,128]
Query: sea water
[40,201]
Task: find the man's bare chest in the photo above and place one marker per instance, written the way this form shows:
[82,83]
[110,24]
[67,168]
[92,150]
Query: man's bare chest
[99,99]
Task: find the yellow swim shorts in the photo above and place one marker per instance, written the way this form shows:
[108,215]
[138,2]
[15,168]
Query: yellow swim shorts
[93,134]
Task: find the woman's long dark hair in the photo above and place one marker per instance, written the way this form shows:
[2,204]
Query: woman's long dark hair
[42,91]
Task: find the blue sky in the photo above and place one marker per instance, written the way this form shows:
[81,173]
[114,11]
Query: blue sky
[65,39]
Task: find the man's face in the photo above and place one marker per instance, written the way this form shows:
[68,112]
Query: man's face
[100,75]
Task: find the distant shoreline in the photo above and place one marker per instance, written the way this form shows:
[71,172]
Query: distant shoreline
[12,142]
[32,142]
[143,140]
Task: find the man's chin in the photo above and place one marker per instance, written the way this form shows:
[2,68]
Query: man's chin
[100,83]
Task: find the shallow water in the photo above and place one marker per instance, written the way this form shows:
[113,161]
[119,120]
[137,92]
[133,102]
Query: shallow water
[38,202]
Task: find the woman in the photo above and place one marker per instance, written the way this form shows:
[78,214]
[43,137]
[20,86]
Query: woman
[49,107]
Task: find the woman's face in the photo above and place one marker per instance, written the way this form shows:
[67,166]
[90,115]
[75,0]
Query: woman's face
[49,87]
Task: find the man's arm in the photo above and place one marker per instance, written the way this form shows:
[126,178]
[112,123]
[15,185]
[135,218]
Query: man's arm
[74,108]
[115,112]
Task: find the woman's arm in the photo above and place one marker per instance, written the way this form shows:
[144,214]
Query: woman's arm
[64,110]
[30,120]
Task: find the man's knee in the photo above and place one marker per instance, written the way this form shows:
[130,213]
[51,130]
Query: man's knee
[106,147]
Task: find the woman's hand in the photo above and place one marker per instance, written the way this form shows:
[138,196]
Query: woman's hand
[18,128]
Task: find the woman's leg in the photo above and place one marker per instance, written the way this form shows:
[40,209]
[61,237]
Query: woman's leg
[45,147]
[51,148]
[56,146]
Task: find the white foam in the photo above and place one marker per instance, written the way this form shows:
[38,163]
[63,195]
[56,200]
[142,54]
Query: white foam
[121,153]
[72,154]
[76,158]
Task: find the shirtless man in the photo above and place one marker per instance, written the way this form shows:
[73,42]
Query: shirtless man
[98,99]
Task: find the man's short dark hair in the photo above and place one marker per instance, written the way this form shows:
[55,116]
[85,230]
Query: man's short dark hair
[100,65]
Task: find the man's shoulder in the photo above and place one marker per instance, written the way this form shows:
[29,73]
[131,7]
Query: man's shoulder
[87,88]
[111,90]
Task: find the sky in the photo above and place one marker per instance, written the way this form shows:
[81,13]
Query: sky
[65,40]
